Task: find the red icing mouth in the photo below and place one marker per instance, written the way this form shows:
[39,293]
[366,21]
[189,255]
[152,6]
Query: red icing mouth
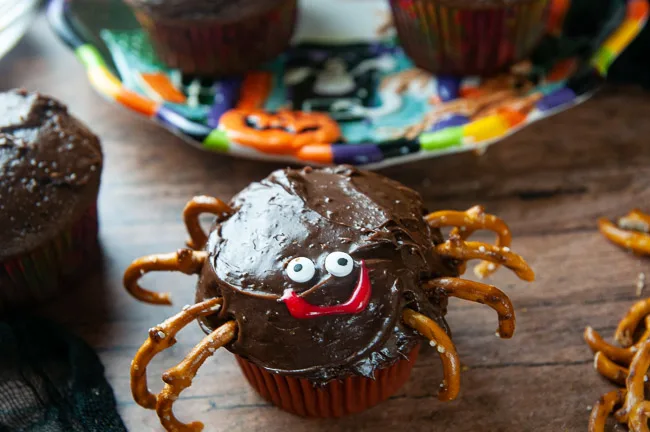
[358,301]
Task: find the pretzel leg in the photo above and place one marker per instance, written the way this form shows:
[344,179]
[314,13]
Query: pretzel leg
[160,338]
[603,408]
[638,421]
[635,382]
[479,293]
[635,241]
[193,209]
[180,377]
[450,362]
[619,355]
[456,248]
[628,325]
[609,369]
[183,260]
[466,223]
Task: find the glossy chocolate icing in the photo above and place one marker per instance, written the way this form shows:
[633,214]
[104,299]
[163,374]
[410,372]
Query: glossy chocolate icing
[198,9]
[311,213]
[50,166]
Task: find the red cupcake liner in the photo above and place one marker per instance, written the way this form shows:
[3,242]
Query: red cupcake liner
[337,398]
[209,47]
[468,41]
[39,274]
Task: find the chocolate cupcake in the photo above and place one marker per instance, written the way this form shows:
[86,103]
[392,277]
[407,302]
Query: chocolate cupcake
[323,283]
[217,37]
[50,166]
[468,37]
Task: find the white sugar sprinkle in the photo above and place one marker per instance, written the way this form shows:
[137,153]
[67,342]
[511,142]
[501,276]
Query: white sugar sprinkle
[481,248]
[432,343]
[161,334]
[506,249]
[441,349]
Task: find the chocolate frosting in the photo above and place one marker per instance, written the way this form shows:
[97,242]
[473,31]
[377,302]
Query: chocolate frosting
[312,213]
[223,10]
[50,166]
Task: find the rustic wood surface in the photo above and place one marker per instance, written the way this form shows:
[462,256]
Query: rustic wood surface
[550,181]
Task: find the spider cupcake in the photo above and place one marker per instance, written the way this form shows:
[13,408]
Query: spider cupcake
[323,283]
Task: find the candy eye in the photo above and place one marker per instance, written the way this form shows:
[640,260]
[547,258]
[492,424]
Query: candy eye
[301,269]
[339,264]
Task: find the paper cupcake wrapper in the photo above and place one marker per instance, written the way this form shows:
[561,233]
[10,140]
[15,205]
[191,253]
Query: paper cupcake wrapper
[40,274]
[476,41]
[335,399]
[209,47]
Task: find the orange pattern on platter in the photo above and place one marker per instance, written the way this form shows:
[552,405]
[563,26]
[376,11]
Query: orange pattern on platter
[284,132]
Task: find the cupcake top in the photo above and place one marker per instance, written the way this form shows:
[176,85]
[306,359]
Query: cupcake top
[317,265]
[50,166]
[197,9]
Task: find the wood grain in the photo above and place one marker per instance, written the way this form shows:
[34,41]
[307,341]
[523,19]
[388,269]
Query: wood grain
[550,181]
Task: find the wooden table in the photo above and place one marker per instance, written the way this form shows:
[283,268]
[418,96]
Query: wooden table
[550,182]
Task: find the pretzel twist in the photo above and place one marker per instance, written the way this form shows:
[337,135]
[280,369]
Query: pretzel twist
[630,322]
[193,209]
[610,370]
[180,377]
[480,293]
[638,421]
[466,223]
[184,260]
[456,248]
[619,355]
[635,382]
[603,408]
[424,325]
[160,338]
[630,232]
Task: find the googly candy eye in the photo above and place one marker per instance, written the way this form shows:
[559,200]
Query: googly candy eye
[339,264]
[301,269]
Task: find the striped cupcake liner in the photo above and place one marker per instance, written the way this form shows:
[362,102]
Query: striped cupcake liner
[209,47]
[40,274]
[477,41]
[337,398]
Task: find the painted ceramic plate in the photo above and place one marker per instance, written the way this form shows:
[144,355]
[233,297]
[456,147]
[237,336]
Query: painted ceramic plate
[344,78]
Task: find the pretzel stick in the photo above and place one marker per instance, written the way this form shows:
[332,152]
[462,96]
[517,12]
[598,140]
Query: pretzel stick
[619,355]
[180,377]
[638,421]
[183,260]
[603,408]
[637,242]
[466,223]
[450,385]
[160,338]
[628,325]
[193,209]
[456,248]
[479,293]
[609,369]
[635,381]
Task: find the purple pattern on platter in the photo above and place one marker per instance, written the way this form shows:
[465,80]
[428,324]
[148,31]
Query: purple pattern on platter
[555,99]
[357,154]
[449,121]
[448,88]
[226,94]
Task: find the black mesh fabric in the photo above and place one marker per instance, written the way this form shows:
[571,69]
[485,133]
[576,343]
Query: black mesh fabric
[52,381]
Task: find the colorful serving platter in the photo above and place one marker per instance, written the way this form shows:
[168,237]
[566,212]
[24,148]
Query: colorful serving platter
[344,92]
